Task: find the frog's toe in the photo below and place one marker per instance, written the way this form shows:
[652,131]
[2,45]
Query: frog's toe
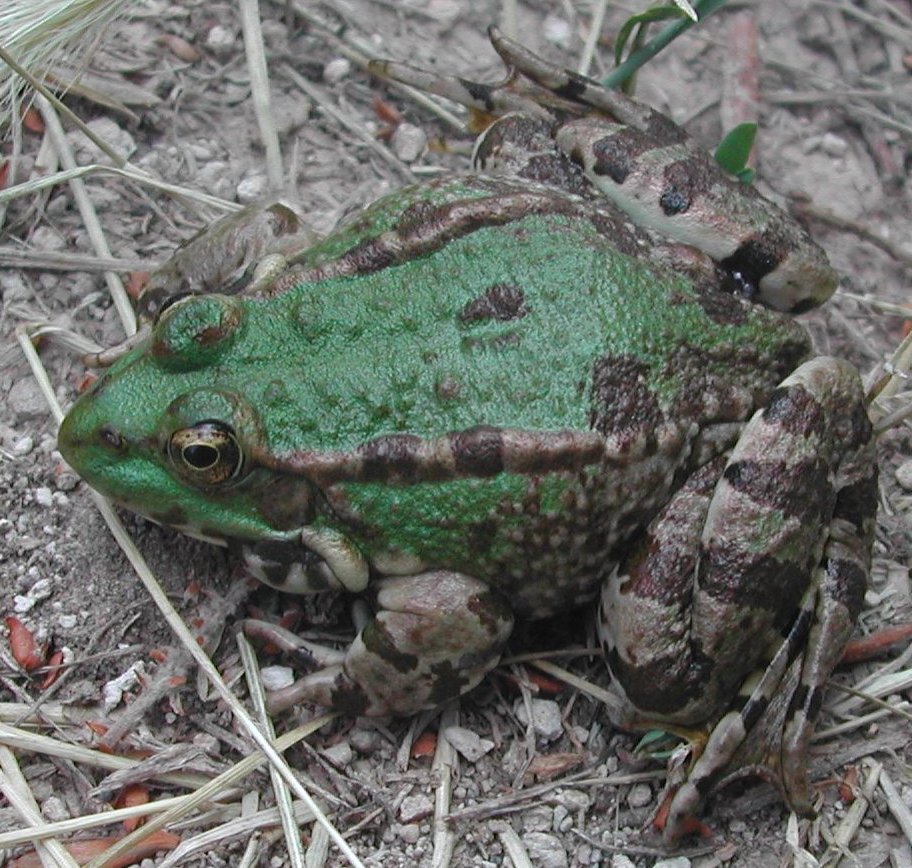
[434,636]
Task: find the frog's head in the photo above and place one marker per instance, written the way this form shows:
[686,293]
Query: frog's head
[167,433]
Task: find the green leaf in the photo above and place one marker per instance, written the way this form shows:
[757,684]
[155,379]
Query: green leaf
[642,20]
[734,150]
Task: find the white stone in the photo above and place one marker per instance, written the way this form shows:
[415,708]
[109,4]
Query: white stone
[467,743]
[546,718]
[545,851]
[415,808]
[277,677]
[904,475]
[409,142]
[337,69]
[252,188]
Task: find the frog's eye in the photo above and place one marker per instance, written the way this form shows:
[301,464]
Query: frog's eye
[208,453]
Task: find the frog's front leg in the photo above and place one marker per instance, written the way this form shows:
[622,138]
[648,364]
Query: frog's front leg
[434,636]
[758,563]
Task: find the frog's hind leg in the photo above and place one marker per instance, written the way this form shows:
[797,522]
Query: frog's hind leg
[773,581]
[434,636]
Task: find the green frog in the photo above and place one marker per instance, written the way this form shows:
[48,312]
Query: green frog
[496,396]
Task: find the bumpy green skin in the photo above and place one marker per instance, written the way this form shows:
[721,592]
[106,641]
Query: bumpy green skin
[335,363]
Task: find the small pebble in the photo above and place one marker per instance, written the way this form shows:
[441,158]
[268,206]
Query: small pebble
[209,743]
[674,862]
[557,31]
[545,851]
[833,145]
[409,142]
[43,497]
[904,475]
[67,622]
[546,718]
[252,188]
[338,754]
[537,819]
[277,677]
[416,808]
[640,796]
[364,741]
[409,833]
[337,69]
[54,809]
[23,446]
[467,743]
[220,39]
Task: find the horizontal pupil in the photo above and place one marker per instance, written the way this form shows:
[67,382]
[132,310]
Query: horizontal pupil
[200,456]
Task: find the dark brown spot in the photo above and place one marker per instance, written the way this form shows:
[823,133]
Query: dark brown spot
[493,611]
[501,302]
[478,451]
[615,155]
[847,582]
[666,684]
[683,181]
[757,256]
[576,86]
[481,93]
[800,490]
[753,711]
[392,456]
[796,410]
[761,582]
[661,567]
[348,698]
[380,642]
[447,682]
[857,503]
[556,170]
[623,405]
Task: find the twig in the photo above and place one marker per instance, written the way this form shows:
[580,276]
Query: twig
[259,90]
[89,217]
[445,766]
[51,260]
[293,845]
[847,829]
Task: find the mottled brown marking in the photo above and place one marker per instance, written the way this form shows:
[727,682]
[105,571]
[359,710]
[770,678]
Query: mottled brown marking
[614,156]
[683,181]
[394,455]
[763,582]
[556,170]
[623,405]
[502,302]
[847,582]
[857,502]
[478,451]
[662,565]
[796,410]
[800,489]
[666,684]
[757,256]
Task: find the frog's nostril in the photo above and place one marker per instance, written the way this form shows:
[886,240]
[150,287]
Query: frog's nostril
[110,436]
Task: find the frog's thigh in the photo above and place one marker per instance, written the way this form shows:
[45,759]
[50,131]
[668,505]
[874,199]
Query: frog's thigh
[802,482]
[434,636]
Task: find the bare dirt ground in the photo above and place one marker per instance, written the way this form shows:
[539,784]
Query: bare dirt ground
[835,114]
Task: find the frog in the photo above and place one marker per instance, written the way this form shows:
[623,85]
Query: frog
[568,379]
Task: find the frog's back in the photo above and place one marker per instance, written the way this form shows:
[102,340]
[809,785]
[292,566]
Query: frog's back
[473,302]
